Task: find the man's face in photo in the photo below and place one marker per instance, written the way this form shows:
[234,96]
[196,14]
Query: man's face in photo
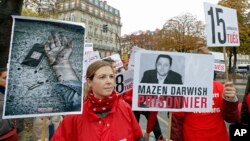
[163,66]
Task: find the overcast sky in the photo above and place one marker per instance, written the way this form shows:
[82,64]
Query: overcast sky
[151,14]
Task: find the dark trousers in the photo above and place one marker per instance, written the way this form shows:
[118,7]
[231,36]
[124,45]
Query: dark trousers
[156,130]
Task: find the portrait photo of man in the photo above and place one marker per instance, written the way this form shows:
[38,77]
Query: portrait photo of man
[163,73]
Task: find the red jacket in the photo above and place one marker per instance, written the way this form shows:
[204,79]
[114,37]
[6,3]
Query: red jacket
[244,107]
[151,117]
[118,124]
[248,102]
[209,126]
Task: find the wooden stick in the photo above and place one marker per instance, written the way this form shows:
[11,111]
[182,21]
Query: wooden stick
[169,125]
[226,68]
[44,129]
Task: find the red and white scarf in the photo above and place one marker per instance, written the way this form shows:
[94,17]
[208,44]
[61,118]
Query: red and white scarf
[102,105]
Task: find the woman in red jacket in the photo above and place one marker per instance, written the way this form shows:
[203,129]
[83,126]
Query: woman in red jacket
[105,117]
[245,110]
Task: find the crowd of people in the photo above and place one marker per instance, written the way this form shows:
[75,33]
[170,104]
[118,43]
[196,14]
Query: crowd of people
[109,117]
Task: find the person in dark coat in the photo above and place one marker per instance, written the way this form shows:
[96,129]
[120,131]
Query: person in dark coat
[162,74]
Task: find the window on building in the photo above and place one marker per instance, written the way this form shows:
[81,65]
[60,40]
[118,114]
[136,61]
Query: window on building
[72,17]
[83,5]
[101,14]
[110,9]
[116,20]
[101,4]
[66,6]
[106,16]
[61,7]
[116,12]
[106,7]
[90,9]
[111,40]
[90,23]
[83,19]
[95,31]
[96,11]
[97,2]
[72,4]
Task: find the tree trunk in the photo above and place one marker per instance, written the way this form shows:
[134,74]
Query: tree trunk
[8,8]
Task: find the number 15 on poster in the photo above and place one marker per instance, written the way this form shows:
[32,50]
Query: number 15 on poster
[221,26]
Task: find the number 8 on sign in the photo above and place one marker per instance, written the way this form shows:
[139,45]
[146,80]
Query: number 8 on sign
[221,26]
[119,83]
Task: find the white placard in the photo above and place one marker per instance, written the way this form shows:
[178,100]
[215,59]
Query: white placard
[88,59]
[39,82]
[124,81]
[219,63]
[221,26]
[185,88]
[88,48]
[132,57]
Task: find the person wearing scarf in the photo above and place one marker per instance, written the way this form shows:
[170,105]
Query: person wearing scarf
[105,117]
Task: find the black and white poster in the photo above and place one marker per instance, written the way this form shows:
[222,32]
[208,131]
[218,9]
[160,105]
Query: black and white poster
[45,68]
[170,81]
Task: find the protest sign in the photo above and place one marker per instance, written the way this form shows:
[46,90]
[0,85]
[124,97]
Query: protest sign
[219,63]
[168,81]
[221,26]
[44,68]
[88,59]
[88,48]
[132,57]
[124,81]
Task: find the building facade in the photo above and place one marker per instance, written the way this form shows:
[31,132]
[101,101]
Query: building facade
[102,22]
[243,59]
